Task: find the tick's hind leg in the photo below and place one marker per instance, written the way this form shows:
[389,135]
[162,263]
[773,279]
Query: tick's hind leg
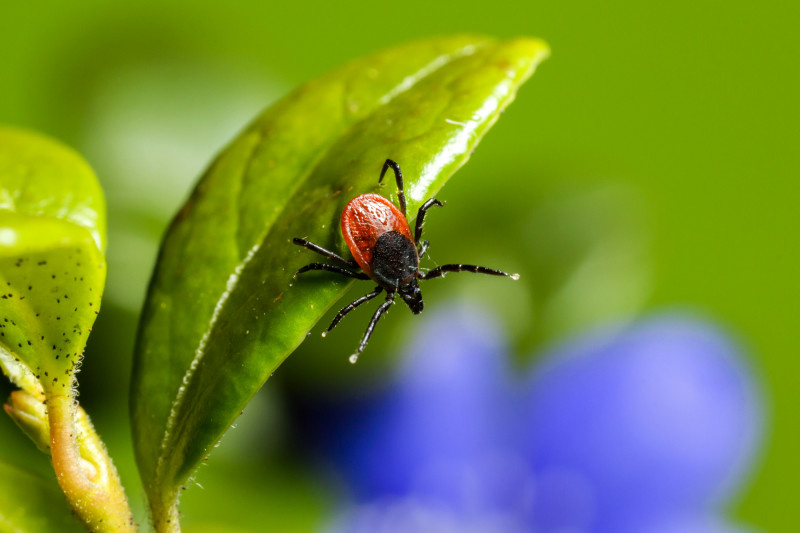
[440,271]
[322,251]
[421,217]
[352,305]
[377,316]
[399,177]
[332,268]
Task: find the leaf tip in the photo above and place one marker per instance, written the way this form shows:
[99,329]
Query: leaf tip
[533,47]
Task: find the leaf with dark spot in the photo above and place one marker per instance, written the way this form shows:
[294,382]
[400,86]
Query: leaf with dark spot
[51,207]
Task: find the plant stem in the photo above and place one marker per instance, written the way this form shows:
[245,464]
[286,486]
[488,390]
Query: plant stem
[165,517]
[93,490]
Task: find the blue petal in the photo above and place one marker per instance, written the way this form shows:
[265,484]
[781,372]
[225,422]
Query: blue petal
[445,430]
[690,523]
[693,524]
[410,515]
[654,419]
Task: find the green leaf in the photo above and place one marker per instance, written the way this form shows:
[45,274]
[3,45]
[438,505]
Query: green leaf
[33,504]
[223,311]
[52,268]
[30,415]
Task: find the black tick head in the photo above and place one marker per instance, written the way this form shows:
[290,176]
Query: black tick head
[412,296]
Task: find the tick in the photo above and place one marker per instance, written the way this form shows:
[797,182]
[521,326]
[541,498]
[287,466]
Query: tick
[384,251]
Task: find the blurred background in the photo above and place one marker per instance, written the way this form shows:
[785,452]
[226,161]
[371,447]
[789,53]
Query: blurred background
[651,163]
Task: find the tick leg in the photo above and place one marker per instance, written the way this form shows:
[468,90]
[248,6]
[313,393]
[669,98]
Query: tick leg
[351,306]
[399,176]
[423,248]
[332,268]
[377,316]
[440,271]
[421,217]
[322,251]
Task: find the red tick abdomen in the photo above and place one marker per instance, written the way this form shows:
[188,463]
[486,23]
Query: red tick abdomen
[364,219]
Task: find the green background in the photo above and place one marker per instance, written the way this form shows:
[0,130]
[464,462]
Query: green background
[683,117]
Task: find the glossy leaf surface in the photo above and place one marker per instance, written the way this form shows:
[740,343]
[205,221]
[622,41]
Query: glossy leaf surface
[223,310]
[52,267]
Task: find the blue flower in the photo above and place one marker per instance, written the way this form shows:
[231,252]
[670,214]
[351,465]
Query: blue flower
[647,428]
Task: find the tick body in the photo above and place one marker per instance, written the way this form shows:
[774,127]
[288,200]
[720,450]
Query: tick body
[371,226]
[385,251]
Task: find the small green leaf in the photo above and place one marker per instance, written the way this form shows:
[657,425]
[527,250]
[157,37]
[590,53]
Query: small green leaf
[223,311]
[30,415]
[32,504]
[52,268]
